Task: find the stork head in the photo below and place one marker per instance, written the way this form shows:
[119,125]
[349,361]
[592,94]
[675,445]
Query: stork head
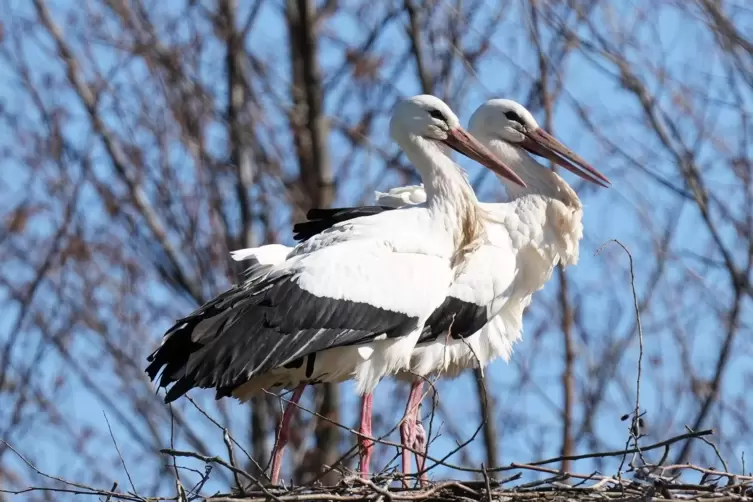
[428,117]
[506,120]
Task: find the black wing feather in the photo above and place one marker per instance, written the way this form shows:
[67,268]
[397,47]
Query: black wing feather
[252,329]
[460,318]
[320,220]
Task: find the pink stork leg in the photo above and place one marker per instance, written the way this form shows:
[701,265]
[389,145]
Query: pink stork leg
[365,429]
[409,430]
[282,432]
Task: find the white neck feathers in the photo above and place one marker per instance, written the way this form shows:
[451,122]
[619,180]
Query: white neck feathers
[449,195]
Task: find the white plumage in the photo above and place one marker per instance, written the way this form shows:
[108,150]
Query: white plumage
[329,310]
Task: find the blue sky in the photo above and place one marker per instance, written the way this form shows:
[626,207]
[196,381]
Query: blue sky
[631,211]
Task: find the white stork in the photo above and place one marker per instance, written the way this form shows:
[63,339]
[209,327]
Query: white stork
[528,236]
[331,310]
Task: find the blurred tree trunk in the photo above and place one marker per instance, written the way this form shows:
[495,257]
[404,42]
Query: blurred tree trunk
[486,407]
[240,160]
[309,128]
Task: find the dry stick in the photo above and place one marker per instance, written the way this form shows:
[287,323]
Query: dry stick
[367,482]
[231,457]
[178,483]
[661,444]
[533,467]
[716,450]
[88,489]
[591,476]
[236,443]
[634,427]
[340,461]
[114,487]
[81,491]
[742,459]
[181,497]
[122,460]
[534,485]
[204,477]
[704,470]
[218,460]
[434,403]
[488,485]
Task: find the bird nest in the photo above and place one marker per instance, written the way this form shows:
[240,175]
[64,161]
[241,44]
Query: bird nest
[636,480]
[552,489]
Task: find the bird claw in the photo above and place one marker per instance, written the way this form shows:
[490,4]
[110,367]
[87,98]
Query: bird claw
[365,450]
[365,445]
[414,436]
[419,444]
[419,440]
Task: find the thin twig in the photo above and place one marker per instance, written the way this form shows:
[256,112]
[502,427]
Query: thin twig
[661,444]
[231,458]
[488,485]
[178,483]
[114,487]
[716,450]
[635,432]
[706,471]
[80,486]
[222,428]
[122,460]
[218,460]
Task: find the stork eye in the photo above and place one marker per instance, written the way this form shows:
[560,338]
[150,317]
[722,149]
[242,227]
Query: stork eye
[438,115]
[514,117]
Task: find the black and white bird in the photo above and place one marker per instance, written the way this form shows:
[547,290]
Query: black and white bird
[527,237]
[331,310]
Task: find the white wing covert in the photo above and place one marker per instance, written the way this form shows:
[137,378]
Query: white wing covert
[408,195]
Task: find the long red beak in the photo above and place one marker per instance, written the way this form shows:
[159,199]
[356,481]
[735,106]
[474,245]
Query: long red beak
[540,142]
[461,141]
